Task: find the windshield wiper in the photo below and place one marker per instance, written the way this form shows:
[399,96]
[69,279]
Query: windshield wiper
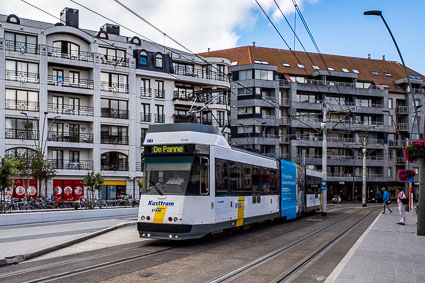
[156,188]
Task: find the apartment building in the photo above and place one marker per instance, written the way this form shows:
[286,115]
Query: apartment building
[278,103]
[87,98]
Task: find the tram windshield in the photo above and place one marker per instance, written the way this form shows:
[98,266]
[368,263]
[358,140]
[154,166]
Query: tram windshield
[178,175]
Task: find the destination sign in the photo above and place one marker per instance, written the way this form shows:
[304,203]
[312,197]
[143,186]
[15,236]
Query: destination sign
[169,149]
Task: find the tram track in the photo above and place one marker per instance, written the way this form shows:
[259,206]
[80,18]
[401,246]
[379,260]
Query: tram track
[290,272]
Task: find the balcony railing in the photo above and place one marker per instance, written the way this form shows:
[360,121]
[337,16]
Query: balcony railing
[24,77]
[120,166]
[284,102]
[397,143]
[284,82]
[114,113]
[159,118]
[269,98]
[284,139]
[71,165]
[402,110]
[418,90]
[183,96]
[66,137]
[217,76]
[67,109]
[145,117]
[159,93]
[72,55]
[114,61]
[21,134]
[402,126]
[67,82]
[145,92]
[21,105]
[114,87]
[121,140]
[21,47]
[339,84]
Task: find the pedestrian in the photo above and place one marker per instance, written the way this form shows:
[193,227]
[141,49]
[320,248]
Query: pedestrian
[386,200]
[401,197]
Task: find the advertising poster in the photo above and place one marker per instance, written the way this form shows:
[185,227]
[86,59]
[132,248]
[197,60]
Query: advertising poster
[288,189]
[78,190]
[32,189]
[57,190]
[19,189]
[68,190]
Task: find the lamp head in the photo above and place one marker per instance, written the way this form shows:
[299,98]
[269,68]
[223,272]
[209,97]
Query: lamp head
[373,13]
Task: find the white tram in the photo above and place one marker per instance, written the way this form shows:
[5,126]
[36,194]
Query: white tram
[195,184]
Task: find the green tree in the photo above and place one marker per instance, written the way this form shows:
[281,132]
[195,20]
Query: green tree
[40,169]
[8,172]
[92,181]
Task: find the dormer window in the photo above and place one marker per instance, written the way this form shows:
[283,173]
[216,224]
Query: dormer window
[344,70]
[375,73]
[158,61]
[286,65]
[388,74]
[301,66]
[331,69]
[143,58]
[13,19]
[355,71]
[316,67]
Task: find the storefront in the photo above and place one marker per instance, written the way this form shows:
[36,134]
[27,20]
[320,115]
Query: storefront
[68,190]
[112,189]
[24,188]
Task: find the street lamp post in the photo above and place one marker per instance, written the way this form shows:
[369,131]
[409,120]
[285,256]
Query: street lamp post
[421,212]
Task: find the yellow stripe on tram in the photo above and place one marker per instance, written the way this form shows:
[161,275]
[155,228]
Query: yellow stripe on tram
[241,209]
[159,214]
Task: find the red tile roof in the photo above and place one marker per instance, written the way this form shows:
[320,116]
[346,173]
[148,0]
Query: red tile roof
[247,54]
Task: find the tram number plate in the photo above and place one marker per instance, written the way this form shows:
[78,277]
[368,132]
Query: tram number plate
[238,205]
[157,210]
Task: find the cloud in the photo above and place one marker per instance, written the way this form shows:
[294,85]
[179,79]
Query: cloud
[198,24]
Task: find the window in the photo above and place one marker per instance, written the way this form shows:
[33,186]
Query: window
[114,134]
[234,63]
[114,82]
[286,65]
[375,73]
[221,177]
[21,43]
[158,61]
[145,89]
[245,75]
[390,171]
[244,91]
[245,110]
[183,69]
[74,156]
[143,132]
[26,129]
[385,86]
[183,92]
[22,71]
[417,102]
[331,69]
[261,62]
[112,108]
[221,118]
[143,58]
[344,70]
[316,67]
[66,49]
[146,112]
[390,103]
[244,130]
[387,74]
[21,100]
[114,161]
[159,91]
[74,78]
[355,71]
[301,66]
[57,159]
[112,56]
[159,117]
[263,75]
[74,106]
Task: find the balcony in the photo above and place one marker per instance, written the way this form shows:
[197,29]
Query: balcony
[402,110]
[284,139]
[21,47]
[145,92]
[397,143]
[114,113]
[159,93]
[400,160]
[67,109]
[22,105]
[71,165]
[402,126]
[183,96]
[202,74]
[114,60]
[64,137]
[284,102]
[24,77]
[21,134]
[72,55]
[119,140]
[284,121]
[418,90]
[159,118]
[269,98]
[114,87]
[120,166]
[283,83]
[66,82]
[145,117]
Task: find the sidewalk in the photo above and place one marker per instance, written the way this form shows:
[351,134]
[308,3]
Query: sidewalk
[386,252]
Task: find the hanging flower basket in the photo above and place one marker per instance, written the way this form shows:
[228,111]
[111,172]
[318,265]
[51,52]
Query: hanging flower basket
[415,150]
[405,174]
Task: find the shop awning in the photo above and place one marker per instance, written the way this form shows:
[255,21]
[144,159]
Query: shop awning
[114,183]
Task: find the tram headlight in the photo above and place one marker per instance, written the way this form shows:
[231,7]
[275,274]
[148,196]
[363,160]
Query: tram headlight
[170,236]
[176,236]
[142,218]
[175,219]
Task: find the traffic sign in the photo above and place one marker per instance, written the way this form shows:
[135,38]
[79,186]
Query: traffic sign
[411,180]
[323,184]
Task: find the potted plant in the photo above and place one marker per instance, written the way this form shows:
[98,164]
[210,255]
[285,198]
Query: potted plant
[415,150]
[405,174]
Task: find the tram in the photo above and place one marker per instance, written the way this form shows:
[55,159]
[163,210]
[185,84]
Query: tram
[195,184]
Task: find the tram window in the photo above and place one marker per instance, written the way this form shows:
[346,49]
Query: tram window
[235,177]
[273,181]
[204,169]
[256,178]
[221,177]
[194,179]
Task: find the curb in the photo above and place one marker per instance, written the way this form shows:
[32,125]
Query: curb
[20,258]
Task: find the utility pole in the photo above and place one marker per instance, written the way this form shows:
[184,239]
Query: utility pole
[421,211]
[324,158]
[364,151]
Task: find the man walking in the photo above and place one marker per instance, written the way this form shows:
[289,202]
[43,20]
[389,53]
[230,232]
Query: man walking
[401,197]
[386,200]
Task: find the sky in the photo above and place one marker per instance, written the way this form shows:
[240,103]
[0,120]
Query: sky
[338,26]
